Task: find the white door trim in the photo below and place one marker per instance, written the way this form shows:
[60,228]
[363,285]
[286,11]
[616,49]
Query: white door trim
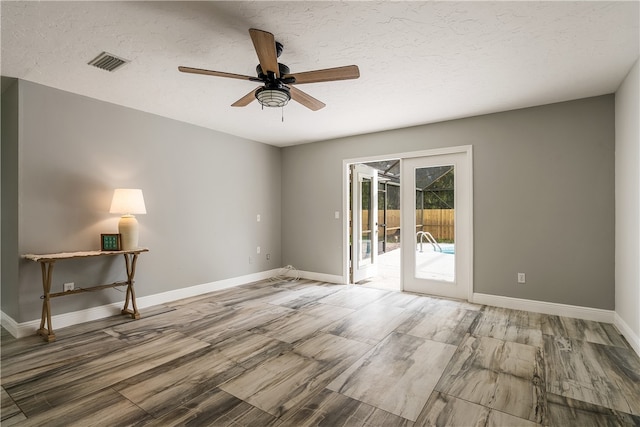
[468,149]
[457,287]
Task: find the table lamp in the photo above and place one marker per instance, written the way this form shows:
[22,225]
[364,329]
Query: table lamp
[128,201]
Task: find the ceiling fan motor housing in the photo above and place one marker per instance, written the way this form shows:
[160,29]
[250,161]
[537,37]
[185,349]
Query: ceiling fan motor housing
[283,70]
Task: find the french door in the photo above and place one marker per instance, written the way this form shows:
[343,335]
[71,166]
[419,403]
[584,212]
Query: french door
[436,231]
[364,222]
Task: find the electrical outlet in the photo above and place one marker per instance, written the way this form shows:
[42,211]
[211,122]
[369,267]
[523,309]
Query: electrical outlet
[521,278]
[258,218]
[258,250]
[268,257]
[68,287]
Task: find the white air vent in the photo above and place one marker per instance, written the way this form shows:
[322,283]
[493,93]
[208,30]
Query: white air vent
[107,61]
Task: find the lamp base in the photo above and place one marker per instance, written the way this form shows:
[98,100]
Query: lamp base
[128,229]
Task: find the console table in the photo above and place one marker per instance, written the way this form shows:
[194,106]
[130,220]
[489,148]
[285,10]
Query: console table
[47,262]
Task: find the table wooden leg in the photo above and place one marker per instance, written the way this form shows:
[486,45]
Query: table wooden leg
[130,264]
[46,333]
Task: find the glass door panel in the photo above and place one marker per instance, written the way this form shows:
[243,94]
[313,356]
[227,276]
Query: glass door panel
[365,257]
[437,252]
[435,247]
[364,199]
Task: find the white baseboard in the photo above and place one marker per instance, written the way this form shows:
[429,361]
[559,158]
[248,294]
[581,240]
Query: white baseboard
[30,327]
[585,313]
[552,308]
[205,288]
[9,324]
[24,329]
[632,338]
[320,277]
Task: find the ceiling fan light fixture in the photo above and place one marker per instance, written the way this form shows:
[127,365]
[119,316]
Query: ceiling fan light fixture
[279,83]
[273,96]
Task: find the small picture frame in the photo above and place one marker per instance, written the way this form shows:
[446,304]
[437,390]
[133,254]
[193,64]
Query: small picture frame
[110,242]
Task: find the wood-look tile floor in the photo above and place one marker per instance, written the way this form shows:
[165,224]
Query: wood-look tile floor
[304,353]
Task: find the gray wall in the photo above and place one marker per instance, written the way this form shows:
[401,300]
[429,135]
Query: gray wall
[9,218]
[628,203]
[203,190]
[543,198]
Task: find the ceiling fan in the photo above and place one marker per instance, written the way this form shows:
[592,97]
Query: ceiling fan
[278,82]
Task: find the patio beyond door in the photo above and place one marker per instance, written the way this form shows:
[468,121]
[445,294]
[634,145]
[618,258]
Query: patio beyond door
[436,235]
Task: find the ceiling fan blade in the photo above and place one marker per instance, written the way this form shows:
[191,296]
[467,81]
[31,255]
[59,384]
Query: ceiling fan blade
[245,100]
[217,73]
[327,75]
[305,99]
[265,46]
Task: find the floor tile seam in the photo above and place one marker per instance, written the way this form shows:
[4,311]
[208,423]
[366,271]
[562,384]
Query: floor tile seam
[101,371]
[80,398]
[590,342]
[280,416]
[362,402]
[327,332]
[233,365]
[128,400]
[283,418]
[371,352]
[251,331]
[499,370]
[483,317]
[342,306]
[435,390]
[428,339]
[200,352]
[326,366]
[439,387]
[440,316]
[599,405]
[373,342]
[304,311]
[55,369]
[457,346]
[52,376]
[578,399]
[489,408]
[4,419]
[629,404]
[20,411]
[244,370]
[284,315]
[507,374]
[476,335]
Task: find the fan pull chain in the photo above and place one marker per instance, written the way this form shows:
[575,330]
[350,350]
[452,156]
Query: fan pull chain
[282,114]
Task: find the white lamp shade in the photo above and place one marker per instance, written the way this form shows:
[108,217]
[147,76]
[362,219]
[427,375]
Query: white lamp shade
[128,201]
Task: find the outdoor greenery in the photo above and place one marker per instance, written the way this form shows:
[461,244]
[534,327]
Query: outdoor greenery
[438,193]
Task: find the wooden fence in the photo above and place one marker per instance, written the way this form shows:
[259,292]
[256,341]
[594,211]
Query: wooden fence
[438,222]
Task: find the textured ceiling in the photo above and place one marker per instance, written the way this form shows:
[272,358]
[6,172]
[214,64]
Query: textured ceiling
[420,62]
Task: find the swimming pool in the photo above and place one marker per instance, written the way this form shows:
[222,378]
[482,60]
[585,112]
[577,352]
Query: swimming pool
[448,248]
